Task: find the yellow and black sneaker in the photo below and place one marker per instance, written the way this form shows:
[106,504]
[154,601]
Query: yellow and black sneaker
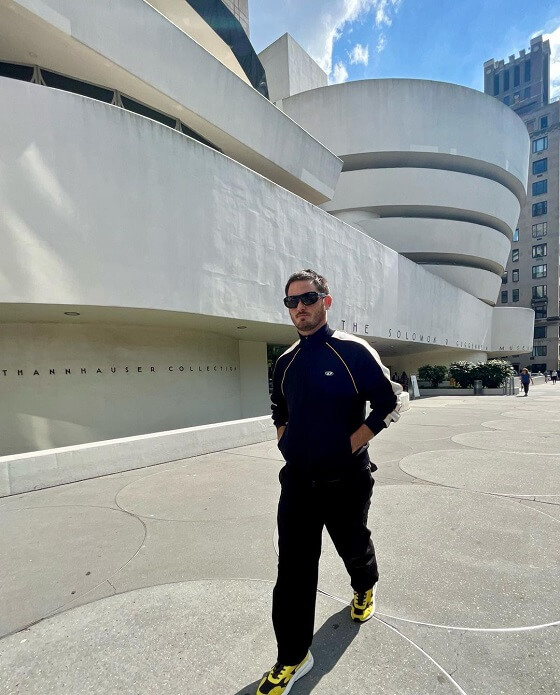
[363,605]
[280,678]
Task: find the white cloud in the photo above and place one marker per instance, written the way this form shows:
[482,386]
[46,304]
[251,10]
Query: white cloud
[315,24]
[339,73]
[383,11]
[381,43]
[554,38]
[359,54]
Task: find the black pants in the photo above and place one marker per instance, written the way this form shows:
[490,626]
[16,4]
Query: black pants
[526,388]
[306,506]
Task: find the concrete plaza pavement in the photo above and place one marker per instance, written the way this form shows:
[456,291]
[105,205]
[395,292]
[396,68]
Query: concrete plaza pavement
[159,580]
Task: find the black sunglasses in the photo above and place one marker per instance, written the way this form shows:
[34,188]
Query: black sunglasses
[291,301]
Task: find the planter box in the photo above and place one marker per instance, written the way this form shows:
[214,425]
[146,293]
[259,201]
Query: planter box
[445,392]
[424,393]
[37,470]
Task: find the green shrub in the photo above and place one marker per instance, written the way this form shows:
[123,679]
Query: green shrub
[463,373]
[435,374]
[493,373]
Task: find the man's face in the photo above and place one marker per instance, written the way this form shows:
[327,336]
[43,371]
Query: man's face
[307,319]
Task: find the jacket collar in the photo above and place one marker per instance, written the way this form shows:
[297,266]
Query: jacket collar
[316,338]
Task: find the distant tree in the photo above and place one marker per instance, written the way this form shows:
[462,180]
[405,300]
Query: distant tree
[435,374]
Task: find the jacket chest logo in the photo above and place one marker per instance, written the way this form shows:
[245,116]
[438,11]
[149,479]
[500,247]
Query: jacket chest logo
[329,373]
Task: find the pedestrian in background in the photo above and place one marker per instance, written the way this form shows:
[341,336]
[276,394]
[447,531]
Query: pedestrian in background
[404,381]
[526,379]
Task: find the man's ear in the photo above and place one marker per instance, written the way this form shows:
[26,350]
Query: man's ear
[328,301]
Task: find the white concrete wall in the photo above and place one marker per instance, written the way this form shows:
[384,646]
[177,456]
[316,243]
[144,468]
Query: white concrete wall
[467,255]
[425,151]
[424,239]
[289,69]
[275,60]
[429,121]
[512,330]
[137,215]
[124,220]
[129,46]
[480,283]
[68,384]
[416,192]
[253,375]
[38,470]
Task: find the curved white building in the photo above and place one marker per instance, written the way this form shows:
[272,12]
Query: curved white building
[149,222]
[427,171]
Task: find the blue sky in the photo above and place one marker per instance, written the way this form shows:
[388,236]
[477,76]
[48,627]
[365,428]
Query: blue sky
[446,40]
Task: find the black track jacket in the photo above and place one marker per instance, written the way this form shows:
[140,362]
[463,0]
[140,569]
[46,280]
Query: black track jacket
[320,388]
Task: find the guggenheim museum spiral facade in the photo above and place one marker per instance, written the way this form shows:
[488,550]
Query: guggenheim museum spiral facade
[159,183]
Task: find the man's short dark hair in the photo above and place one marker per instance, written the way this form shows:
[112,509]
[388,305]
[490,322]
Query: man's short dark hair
[319,282]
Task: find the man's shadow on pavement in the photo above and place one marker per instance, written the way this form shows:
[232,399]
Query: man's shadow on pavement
[330,642]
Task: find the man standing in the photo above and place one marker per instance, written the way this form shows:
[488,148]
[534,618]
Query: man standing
[320,388]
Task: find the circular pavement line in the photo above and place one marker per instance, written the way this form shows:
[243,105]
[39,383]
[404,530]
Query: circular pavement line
[499,473]
[459,559]
[226,488]
[206,637]
[534,415]
[525,443]
[53,555]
